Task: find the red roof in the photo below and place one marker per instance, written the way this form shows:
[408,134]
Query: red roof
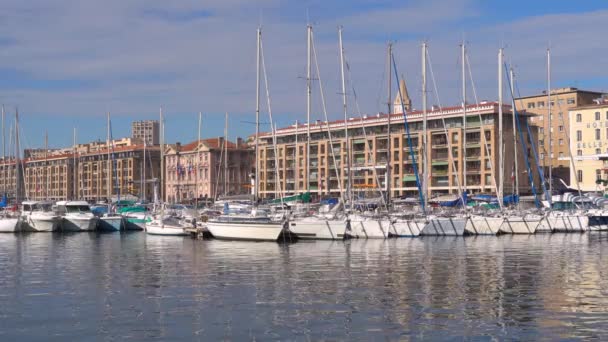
[212,143]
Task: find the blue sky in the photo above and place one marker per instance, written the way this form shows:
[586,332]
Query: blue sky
[65,62]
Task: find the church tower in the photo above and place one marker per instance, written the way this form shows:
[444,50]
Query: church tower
[407,102]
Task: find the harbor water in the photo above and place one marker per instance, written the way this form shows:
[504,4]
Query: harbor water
[133,286]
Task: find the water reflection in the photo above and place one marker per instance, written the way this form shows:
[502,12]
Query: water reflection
[133,286]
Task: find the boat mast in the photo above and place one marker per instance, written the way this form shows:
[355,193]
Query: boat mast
[308,102]
[74,169]
[162,157]
[3,149]
[109,178]
[46,167]
[344,108]
[464,119]
[143,168]
[549,200]
[501,163]
[390,111]
[425,167]
[198,158]
[257,121]
[17,156]
[226,156]
[516,178]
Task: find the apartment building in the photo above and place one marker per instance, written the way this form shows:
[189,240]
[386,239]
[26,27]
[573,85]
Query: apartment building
[199,169]
[562,101]
[589,144]
[147,131]
[10,176]
[285,171]
[49,177]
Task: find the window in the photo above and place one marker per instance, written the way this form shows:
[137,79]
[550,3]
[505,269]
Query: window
[571,100]
[606,115]
[598,174]
[540,104]
[531,105]
[597,134]
[561,142]
[597,116]
[579,175]
[541,143]
[561,154]
[541,130]
[579,152]
[542,155]
[560,128]
[598,151]
[579,117]
[579,135]
[560,115]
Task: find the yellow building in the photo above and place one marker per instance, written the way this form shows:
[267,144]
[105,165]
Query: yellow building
[589,144]
[562,100]
[287,173]
[49,177]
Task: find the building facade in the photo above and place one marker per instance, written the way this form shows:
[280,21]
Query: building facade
[49,177]
[10,177]
[589,144]
[562,100]
[283,167]
[198,169]
[147,131]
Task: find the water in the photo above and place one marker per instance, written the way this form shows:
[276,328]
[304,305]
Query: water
[89,286]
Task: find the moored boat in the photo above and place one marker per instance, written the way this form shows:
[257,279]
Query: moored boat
[38,216]
[76,216]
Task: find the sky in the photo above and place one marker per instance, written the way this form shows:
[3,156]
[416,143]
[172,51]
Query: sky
[66,63]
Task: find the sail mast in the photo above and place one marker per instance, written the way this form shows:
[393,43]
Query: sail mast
[388,134]
[464,119]
[425,167]
[46,168]
[501,163]
[162,156]
[17,197]
[344,108]
[226,156]
[515,172]
[74,169]
[109,177]
[198,158]
[308,102]
[550,128]
[257,121]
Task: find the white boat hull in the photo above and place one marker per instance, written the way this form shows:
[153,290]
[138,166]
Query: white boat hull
[370,228]
[320,229]
[166,230]
[9,225]
[245,231]
[519,225]
[406,228]
[566,223]
[482,225]
[78,224]
[445,226]
[40,224]
[598,221]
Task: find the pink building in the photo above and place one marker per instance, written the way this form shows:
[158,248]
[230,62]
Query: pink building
[198,169]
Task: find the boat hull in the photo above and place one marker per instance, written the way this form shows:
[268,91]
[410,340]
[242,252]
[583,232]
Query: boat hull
[78,224]
[598,222]
[445,226]
[320,229]
[40,224]
[166,230]
[110,223]
[370,228]
[566,223]
[406,228]
[519,225]
[481,225]
[245,231]
[9,225]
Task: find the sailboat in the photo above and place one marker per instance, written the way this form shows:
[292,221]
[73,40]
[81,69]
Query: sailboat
[162,224]
[110,221]
[256,225]
[317,227]
[8,222]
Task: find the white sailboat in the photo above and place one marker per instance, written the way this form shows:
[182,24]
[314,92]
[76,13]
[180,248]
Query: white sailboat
[162,224]
[9,222]
[38,216]
[317,227]
[110,221]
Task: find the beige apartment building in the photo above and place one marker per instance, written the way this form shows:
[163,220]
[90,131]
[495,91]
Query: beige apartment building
[589,144]
[562,100]
[286,171]
[198,169]
[49,177]
[9,177]
[147,131]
